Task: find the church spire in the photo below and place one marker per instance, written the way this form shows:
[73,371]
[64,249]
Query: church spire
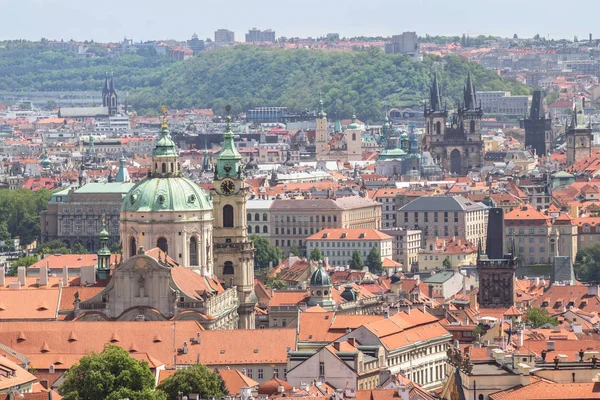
[104,253]
[537,106]
[229,160]
[165,156]
[469,95]
[435,98]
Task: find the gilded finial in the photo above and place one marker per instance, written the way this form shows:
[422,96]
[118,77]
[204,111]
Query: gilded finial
[164,120]
[103,220]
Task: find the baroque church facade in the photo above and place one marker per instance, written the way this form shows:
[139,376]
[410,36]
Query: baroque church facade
[454,143]
[185,253]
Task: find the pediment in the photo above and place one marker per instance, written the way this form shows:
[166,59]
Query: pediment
[141,264]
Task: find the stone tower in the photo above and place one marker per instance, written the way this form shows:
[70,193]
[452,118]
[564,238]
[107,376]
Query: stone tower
[578,136]
[455,145]
[321,136]
[354,140]
[109,96]
[538,128]
[496,269]
[320,289]
[233,252]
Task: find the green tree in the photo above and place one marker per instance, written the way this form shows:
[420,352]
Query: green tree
[24,261]
[112,374]
[115,248]
[374,261]
[55,246]
[587,262]
[316,255]
[195,379]
[294,250]
[78,249]
[537,317]
[447,263]
[265,253]
[356,262]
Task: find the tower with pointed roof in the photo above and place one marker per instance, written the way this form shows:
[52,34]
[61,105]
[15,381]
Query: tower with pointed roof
[578,136]
[233,250]
[354,140]
[110,99]
[320,289]
[321,135]
[103,267]
[495,267]
[454,143]
[538,128]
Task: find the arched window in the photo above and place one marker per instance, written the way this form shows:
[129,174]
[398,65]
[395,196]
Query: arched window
[472,126]
[265,229]
[264,216]
[193,251]
[257,217]
[132,247]
[249,217]
[438,127]
[171,167]
[354,137]
[161,243]
[228,216]
[228,268]
[257,229]
[164,168]
[329,218]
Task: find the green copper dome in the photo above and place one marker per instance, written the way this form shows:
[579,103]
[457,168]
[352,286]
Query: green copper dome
[321,113]
[166,194]
[320,277]
[354,125]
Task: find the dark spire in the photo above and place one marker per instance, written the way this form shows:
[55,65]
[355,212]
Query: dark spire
[436,101]
[537,107]
[470,99]
[495,237]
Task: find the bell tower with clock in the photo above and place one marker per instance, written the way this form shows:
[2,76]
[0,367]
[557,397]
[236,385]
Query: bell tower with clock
[233,251]
[578,136]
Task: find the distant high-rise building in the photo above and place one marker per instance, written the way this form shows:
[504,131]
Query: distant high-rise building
[407,43]
[255,35]
[195,44]
[224,37]
[538,128]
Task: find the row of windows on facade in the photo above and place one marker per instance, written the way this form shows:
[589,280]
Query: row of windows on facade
[163,245]
[437,127]
[90,210]
[531,231]
[436,232]
[426,217]
[305,218]
[257,217]
[260,372]
[91,230]
[351,244]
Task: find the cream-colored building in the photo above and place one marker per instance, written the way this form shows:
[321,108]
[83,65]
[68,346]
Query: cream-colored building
[459,252]
[445,216]
[293,220]
[258,217]
[338,245]
[406,245]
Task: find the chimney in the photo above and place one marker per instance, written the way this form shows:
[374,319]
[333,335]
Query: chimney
[60,283]
[88,275]
[550,345]
[292,260]
[348,330]
[43,275]
[325,262]
[65,275]
[336,345]
[22,274]
[352,341]
[520,338]
[185,347]
[2,278]
[280,389]
[430,291]
[403,392]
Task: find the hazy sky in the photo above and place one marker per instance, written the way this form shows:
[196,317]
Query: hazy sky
[111,20]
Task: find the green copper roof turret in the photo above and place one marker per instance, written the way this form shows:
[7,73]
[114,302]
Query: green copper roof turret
[165,146]
[229,160]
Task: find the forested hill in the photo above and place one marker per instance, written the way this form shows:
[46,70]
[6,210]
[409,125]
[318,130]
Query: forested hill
[246,76]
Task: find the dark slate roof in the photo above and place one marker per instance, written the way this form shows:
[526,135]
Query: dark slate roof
[442,203]
[562,270]
[498,156]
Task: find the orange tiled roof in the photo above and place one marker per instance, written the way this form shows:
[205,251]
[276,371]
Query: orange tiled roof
[349,234]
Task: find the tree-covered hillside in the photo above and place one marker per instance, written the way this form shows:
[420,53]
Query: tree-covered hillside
[361,82]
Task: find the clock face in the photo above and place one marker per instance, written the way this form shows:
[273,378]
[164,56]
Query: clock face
[227,187]
[454,126]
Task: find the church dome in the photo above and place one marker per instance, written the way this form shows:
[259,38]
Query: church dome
[320,277]
[272,386]
[395,278]
[349,294]
[166,194]
[354,125]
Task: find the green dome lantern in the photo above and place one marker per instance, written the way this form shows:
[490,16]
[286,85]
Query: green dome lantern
[229,160]
[320,277]
[354,125]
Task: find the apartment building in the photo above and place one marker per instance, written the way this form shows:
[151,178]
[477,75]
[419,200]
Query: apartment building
[293,220]
[339,244]
[406,244]
[445,216]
